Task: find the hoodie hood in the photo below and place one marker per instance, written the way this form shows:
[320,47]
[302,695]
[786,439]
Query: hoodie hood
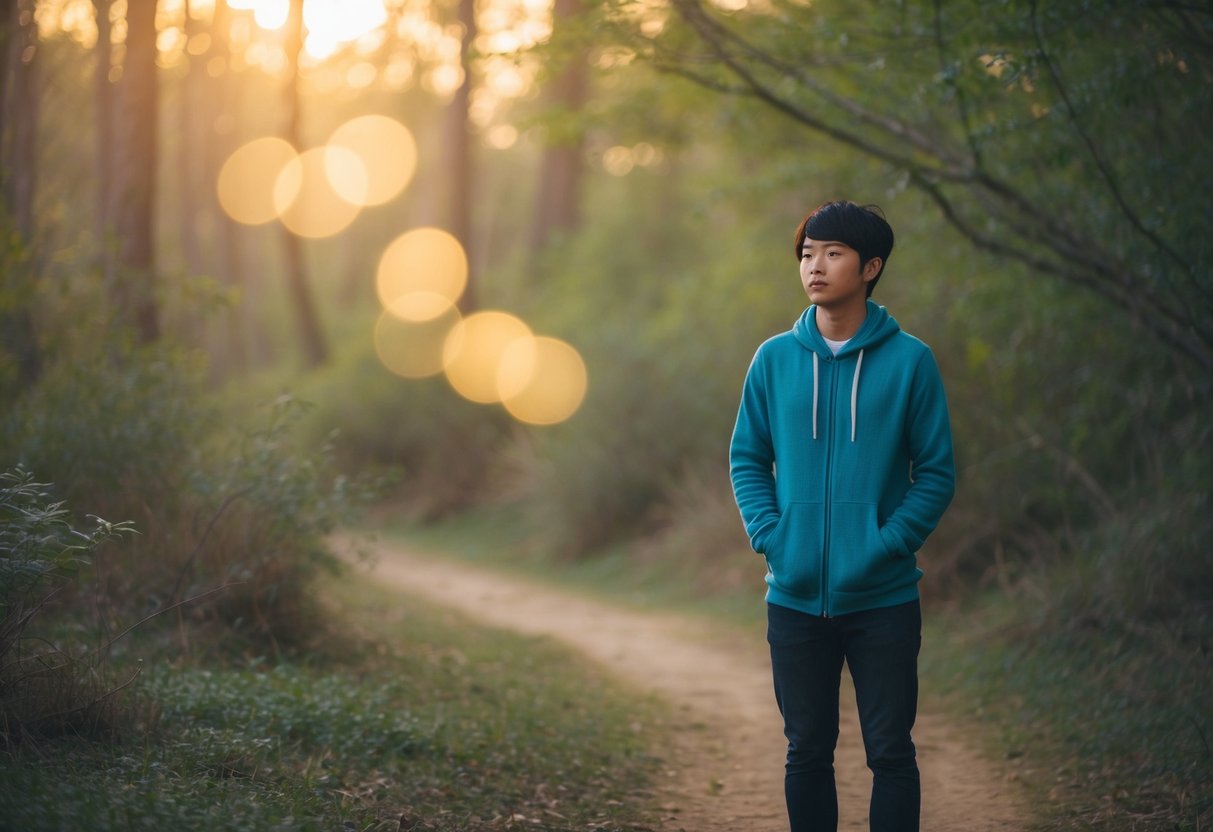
[877,327]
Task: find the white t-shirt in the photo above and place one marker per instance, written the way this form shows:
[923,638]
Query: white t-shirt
[835,345]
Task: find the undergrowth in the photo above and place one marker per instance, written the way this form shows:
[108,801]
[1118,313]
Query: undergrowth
[405,718]
[1107,723]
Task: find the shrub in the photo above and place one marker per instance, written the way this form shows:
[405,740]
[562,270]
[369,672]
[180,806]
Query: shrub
[44,690]
[438,450]
[238,503]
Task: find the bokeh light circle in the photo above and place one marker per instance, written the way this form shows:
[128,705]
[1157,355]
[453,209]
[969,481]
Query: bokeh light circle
[421,274]
[387,149]
[473,350]
[541,381]
[413,349]
[309,203]
[246,181]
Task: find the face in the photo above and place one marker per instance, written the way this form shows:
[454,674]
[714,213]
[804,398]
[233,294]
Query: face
[830,273]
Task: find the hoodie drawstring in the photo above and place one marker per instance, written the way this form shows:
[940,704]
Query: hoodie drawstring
[854,395]
[814,395]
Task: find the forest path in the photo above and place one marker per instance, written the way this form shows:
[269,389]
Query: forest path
[724,772]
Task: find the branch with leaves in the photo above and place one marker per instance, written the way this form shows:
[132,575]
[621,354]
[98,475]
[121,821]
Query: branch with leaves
[953,139]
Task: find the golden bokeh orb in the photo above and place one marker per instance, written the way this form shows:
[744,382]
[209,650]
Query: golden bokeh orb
[473,351]
[541,380]
[308,200]
[413,349]
[246,181]
[388,151]
[421,274]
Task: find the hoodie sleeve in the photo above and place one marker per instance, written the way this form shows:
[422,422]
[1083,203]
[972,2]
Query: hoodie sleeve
[932,469]
[752,458]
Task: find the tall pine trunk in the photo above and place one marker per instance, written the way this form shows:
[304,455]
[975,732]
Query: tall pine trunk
[558,201]
[18,180]
[134,184]
[190,186]
[315,348]
[103,127]
[459,155]
[220,103]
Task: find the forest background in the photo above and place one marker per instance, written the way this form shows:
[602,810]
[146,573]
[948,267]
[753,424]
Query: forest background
[622,178]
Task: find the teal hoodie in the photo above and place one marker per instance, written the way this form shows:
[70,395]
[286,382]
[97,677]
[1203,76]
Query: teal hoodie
[842,465]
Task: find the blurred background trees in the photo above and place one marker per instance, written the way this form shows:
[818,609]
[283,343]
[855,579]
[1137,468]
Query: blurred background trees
[626,177]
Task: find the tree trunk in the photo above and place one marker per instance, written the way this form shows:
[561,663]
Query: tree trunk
[134,185]
[315,349]
[188,155]
[222,100]
[20,114]
[18,178]
[103,127]
[558,201]
[459,154]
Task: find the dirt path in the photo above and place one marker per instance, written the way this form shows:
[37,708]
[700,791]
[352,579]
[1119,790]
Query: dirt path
[725,772]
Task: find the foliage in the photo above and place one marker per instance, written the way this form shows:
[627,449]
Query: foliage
[133,434]
[1081,425]
[1105,722]
[435,451]
[44,690]
[420,722]
[1020,123]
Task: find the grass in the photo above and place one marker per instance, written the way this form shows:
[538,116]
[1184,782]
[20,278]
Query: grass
[417,721]
[1106,725]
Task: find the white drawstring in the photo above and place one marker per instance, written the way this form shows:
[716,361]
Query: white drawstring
[814,395]
[854,391]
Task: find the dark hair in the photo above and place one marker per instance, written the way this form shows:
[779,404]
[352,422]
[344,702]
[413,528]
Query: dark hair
[862,227]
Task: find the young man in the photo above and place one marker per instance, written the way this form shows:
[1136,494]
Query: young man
[841,462]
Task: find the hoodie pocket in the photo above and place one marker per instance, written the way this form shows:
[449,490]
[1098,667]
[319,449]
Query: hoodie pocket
[860,561]
[794,550]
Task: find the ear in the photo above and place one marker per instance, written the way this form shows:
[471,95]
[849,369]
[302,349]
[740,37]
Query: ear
[871,269]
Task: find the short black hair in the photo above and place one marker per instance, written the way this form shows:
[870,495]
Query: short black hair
[862,227]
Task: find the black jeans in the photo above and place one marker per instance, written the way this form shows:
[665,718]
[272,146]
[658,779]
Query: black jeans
[881,649]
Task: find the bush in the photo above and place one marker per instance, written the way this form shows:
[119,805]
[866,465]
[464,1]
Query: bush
[219,503]
[438,450]
[44,690]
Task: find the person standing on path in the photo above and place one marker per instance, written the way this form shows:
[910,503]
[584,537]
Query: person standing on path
[841,463]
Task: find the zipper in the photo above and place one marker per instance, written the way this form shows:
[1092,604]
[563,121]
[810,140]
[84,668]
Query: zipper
[825,547]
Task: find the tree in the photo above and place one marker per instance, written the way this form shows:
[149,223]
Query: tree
[220,99]
[459,151]
[134,181]
[315,348]
[1060,138]
[558,204]
[18,176]
[103,123]
[189,151]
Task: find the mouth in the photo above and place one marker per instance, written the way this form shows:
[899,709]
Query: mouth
[817,284]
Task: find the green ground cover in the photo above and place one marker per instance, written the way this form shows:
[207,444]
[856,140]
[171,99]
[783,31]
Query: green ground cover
[407,718]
